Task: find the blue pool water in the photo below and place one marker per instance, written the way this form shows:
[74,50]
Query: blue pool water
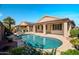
[40,42]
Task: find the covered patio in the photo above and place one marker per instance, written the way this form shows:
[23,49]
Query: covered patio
[42,28]
[23,28]
[60,27]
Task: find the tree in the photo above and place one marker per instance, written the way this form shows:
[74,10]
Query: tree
[74,32]
[8,21]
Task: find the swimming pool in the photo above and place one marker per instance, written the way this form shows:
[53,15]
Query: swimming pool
[40,42]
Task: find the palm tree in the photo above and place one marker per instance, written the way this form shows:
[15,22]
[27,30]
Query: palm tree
[8,21]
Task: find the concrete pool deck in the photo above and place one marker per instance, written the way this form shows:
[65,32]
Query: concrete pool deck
[65,42]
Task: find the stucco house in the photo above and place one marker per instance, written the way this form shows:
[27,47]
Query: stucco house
[24,27]
[49,25]
[54,25]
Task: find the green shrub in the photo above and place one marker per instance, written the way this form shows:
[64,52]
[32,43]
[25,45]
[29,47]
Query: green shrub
[30,51]
[70,52]
[75,41]
[17,51]
[25,51]
[74,32]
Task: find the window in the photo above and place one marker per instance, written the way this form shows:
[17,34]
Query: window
[46,27]
[57,27]
[38,26]
[60,27]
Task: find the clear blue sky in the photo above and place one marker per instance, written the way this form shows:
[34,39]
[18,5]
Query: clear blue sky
[32,12]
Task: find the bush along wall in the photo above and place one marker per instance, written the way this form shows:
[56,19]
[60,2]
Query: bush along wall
[74,33]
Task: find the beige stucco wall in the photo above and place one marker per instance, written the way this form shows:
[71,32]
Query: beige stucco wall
[67,27]
[57,32]
[34,29]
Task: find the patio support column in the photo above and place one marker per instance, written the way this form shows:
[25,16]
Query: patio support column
[28,29]
[44,28]
[34,28]
[51,28]
[69,28]
[65,30]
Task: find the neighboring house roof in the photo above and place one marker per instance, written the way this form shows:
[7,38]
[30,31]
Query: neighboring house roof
[25,23]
